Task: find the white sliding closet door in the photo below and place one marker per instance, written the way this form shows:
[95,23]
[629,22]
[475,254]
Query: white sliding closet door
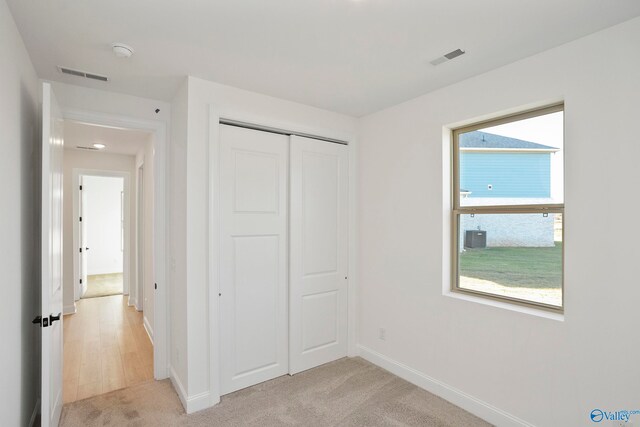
[319,237]
[254,257]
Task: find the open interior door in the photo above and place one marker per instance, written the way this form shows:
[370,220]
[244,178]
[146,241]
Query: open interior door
[82,224]
[51,310]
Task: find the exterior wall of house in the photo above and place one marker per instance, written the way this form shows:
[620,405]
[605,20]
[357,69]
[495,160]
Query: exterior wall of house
[510,230]
[510,174]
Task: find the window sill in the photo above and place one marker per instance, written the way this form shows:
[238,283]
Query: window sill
[506,306]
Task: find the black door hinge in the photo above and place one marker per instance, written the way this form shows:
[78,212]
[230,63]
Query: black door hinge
[81,281]
[155,286]
[80,250]
[81,188]
[80,219]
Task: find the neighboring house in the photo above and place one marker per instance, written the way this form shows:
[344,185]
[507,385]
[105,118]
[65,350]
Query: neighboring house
[498,166]
[499,170]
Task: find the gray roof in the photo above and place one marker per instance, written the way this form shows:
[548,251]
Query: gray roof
[477,139]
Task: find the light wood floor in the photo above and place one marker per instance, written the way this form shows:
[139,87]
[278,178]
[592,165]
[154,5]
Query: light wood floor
[105,348]
[102,285]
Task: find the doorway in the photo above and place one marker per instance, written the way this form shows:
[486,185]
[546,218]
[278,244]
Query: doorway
[112,345]
[108,338]
[101,227]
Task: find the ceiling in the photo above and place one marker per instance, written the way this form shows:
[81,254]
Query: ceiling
[349,56]
[117,141]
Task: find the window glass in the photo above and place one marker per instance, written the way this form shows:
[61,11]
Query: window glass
[508,205]
[518,163]
[512,255]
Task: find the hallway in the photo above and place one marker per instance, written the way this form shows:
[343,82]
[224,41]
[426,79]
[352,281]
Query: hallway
[105,348]
[102,285]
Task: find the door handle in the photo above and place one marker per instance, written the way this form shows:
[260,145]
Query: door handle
[46,321]
[86,249]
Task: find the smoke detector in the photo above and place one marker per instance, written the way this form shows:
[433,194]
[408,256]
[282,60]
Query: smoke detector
[122,50]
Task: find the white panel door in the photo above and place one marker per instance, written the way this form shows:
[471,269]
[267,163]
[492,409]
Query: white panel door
[83,242]
[318,259]
[253,270]
[51,246]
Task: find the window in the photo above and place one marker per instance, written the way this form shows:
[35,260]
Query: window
[508,206]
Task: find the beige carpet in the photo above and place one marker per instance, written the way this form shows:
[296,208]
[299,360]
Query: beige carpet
[102,285]
[348,392]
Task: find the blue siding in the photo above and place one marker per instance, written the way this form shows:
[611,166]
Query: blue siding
[510,174]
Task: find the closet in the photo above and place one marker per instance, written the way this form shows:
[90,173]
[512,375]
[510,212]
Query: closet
[283,263]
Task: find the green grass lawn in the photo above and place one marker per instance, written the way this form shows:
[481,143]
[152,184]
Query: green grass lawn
[515,267]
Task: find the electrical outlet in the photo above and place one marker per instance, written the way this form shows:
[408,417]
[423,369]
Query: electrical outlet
[382,334]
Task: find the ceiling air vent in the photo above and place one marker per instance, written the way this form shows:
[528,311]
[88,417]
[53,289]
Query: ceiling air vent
[448,56]
[78,73]
[86,148]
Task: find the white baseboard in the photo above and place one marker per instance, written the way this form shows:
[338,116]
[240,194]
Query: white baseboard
[147,327]
[69,309]
[34,414]
[467,402]
[177,384]
[193,403]
[131,301]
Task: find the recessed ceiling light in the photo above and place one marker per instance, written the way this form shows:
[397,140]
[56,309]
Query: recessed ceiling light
[99,146]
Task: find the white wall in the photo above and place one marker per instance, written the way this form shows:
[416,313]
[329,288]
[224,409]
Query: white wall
[145,158]
[190,160]
[19,225]
[544,371]
[103,223]
[177,235]
[80,159]
[76,98]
